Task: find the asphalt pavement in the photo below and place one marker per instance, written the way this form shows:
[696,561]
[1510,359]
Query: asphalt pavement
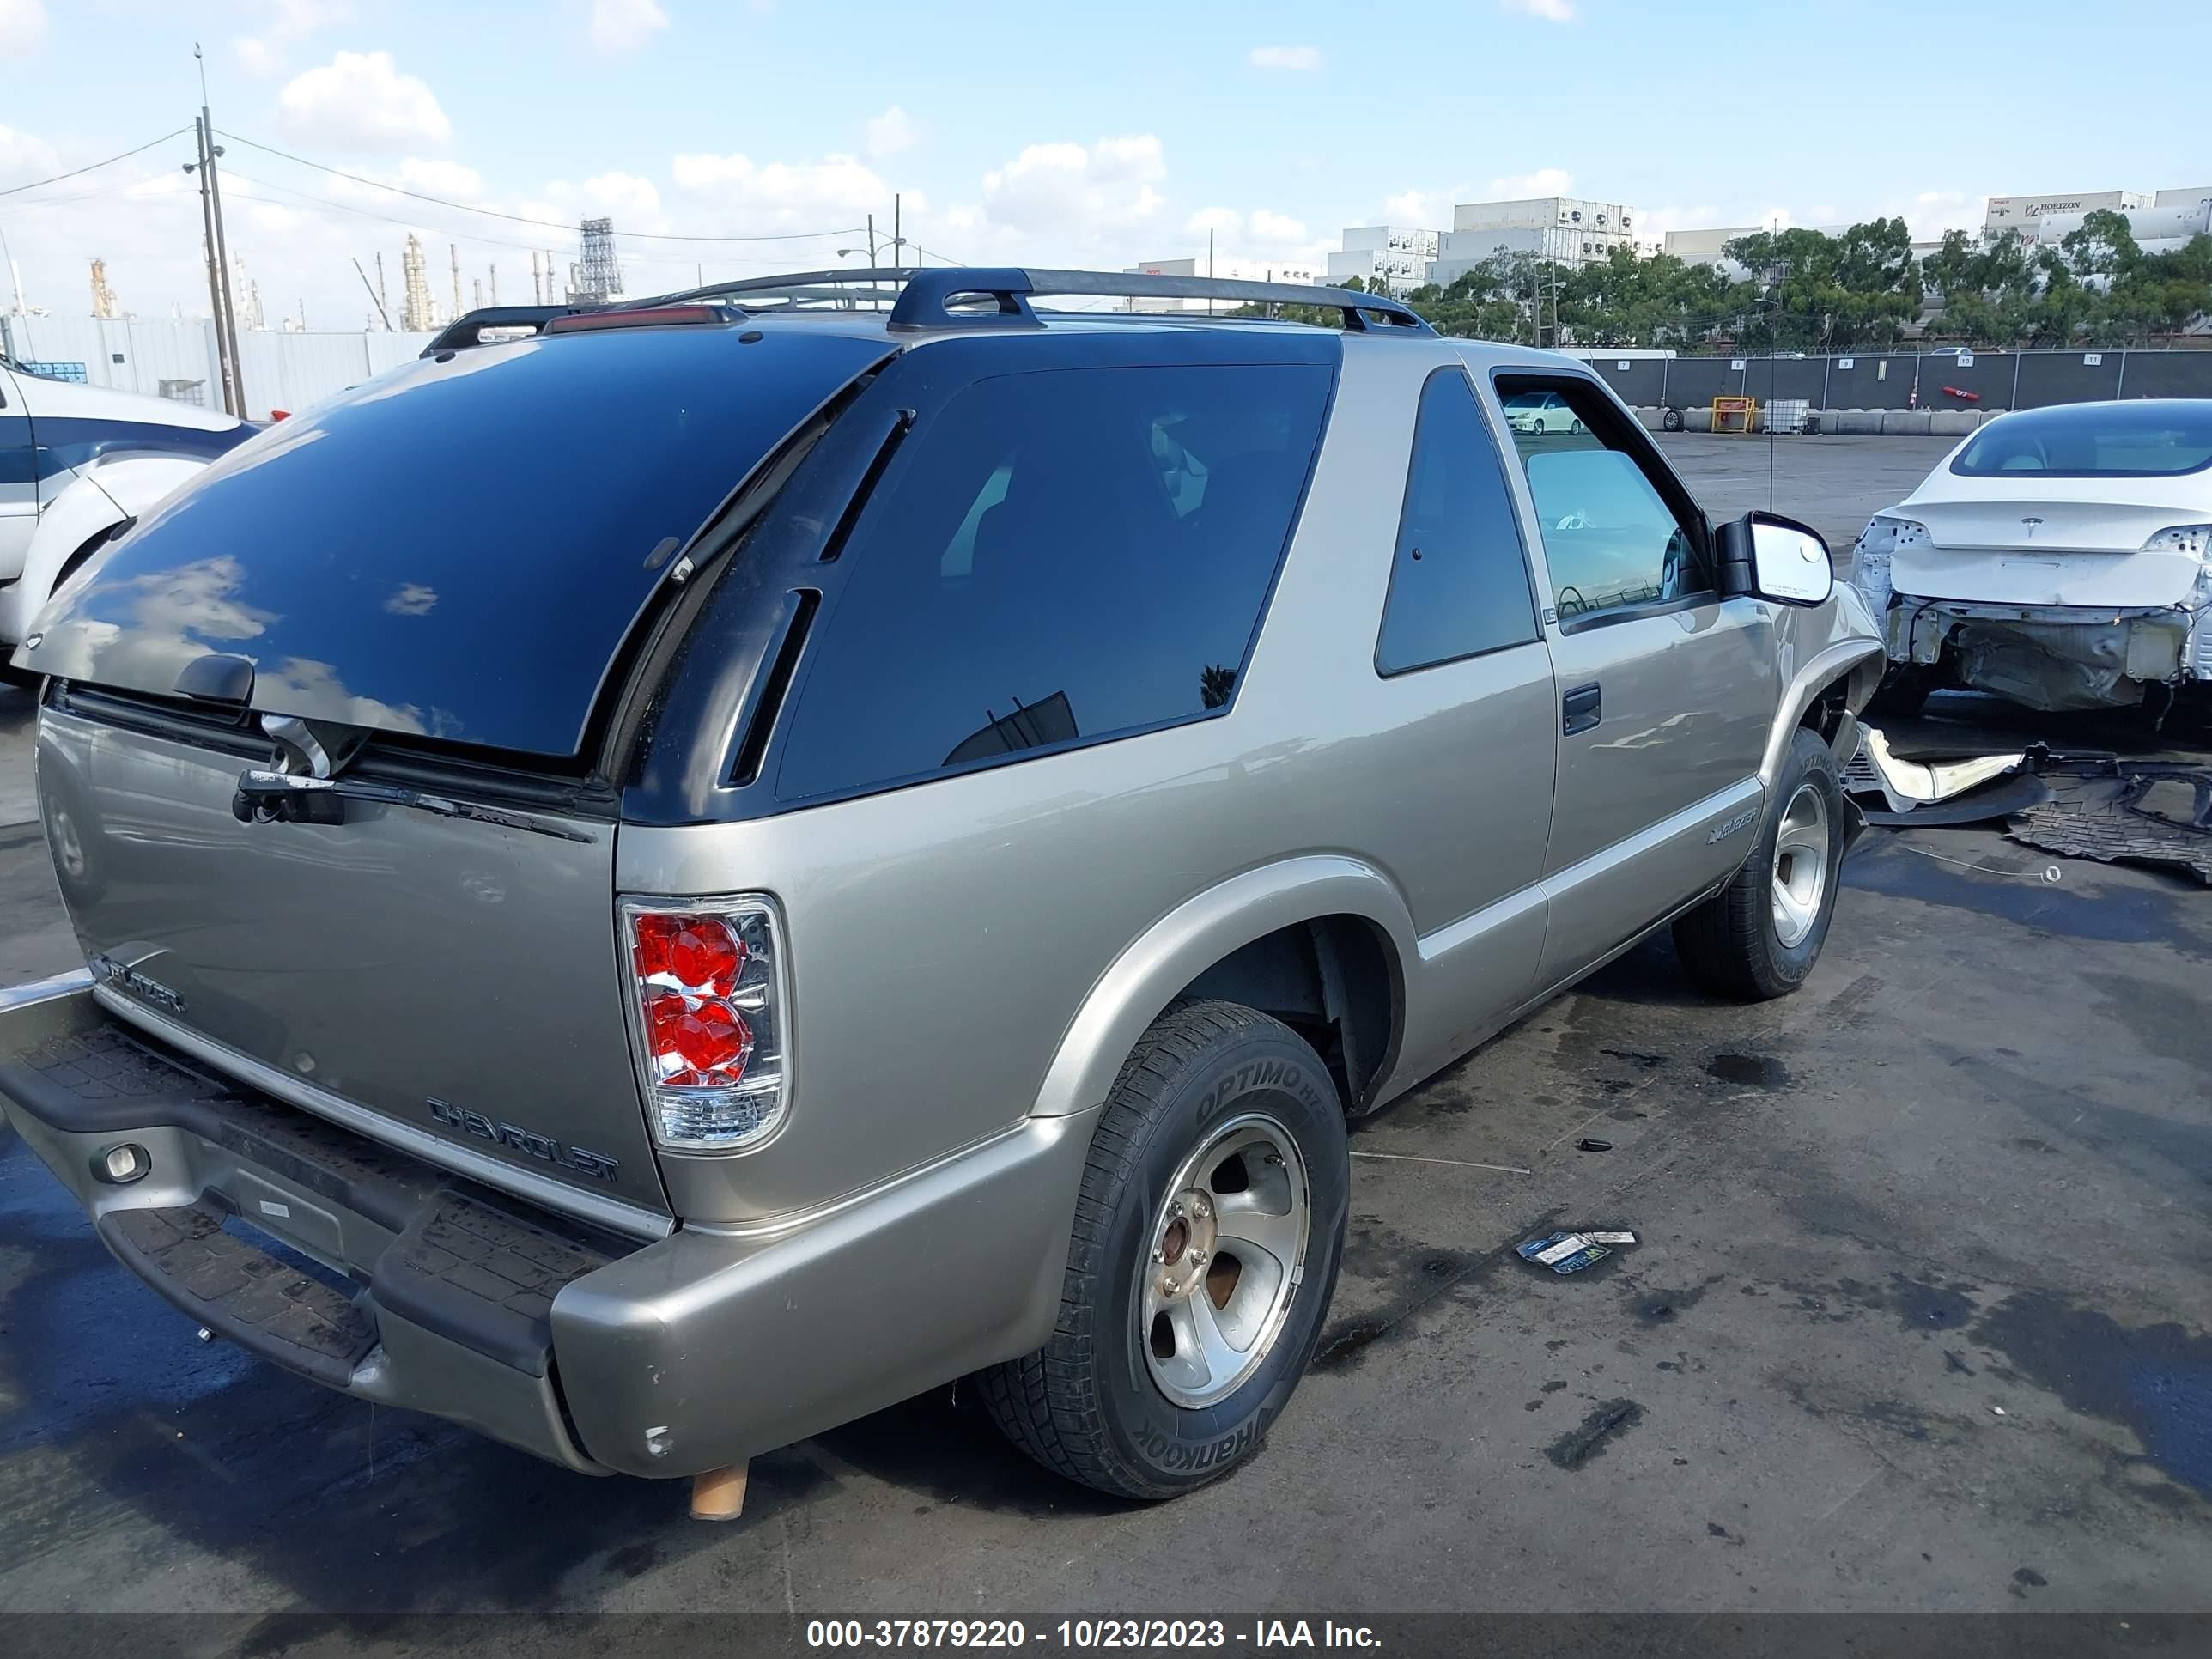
[1917,1319]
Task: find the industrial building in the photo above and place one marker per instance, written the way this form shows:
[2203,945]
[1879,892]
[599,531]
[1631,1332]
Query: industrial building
[2005,214]
[1565,230]
[1237,271]
[1390,257]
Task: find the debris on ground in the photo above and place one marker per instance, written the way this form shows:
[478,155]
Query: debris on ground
[2091,805]
[1592,1144]
[2160,816]
[1572,1251]
[1968,789]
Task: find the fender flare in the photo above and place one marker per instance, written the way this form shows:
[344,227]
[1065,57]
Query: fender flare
[103,495]
[1199,932]
[1862,659]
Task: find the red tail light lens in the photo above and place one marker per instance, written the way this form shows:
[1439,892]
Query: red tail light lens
[708,993]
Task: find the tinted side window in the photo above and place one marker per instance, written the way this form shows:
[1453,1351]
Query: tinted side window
[1611,538]
[1459,580]
[18,460]
[1060,557]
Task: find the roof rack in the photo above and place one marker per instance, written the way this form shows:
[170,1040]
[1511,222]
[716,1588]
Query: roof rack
[512,322]
[969,296]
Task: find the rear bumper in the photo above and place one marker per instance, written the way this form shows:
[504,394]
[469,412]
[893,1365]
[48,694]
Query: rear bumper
[370,1272]
[2051,656]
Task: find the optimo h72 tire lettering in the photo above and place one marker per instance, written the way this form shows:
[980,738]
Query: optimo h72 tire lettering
[1208,1235]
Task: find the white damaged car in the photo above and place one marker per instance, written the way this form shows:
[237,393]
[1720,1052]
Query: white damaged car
[76,463]
[2059,557]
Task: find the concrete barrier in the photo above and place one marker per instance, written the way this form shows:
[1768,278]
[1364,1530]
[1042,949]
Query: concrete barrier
[1905,422]
[1698,420]
[1853,423]
[1954,422]
[1651,419]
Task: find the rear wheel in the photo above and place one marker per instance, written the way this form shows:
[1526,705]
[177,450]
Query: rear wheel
[1759,936]
[1207,1235]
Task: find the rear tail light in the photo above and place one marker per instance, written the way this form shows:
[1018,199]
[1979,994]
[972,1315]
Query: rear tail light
[709,1011]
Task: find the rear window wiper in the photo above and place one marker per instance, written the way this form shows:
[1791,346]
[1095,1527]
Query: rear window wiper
[268,797]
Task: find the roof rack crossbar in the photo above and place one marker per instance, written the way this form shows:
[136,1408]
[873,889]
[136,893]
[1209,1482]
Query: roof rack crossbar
[941,297]
[968,296]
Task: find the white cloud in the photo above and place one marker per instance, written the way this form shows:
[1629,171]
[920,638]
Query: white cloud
[890,133]
[22,25]
[1227,221]
[1551,11]
[1544,181]
[1300,59]
[1411,208]
[1277,227]
[359,101]
[435,176]
[1075,188]
[257,57]
[623,25]
[23,158]
[288,22]
[751,197]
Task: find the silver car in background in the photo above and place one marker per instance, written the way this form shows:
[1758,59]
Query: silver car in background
[659,887]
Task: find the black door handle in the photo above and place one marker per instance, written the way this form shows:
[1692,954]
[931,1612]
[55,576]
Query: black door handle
[1580,709]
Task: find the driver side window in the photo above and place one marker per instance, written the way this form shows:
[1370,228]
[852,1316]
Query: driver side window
[1610,539]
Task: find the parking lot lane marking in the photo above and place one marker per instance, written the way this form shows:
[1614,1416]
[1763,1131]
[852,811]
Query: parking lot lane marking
[1456,1163]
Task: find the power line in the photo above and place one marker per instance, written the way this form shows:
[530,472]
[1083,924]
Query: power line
[16,190]
[521,219]
[474,238]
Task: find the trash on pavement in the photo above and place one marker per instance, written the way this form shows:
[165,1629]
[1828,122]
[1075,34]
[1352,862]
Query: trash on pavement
[1572,1251]
[1592,1144]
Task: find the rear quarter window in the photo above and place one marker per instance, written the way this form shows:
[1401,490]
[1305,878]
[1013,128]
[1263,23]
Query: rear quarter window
[1059,558]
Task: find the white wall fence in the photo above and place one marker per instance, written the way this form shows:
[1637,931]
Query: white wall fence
[170,357]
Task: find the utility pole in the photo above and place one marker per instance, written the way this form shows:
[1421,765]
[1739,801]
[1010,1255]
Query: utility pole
[454,251]
[898,242]
[872,241]
[375,298]
[226,321]
[215,281]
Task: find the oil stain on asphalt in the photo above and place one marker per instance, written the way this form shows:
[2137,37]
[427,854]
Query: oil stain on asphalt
[1591,1437]
[2153,1379]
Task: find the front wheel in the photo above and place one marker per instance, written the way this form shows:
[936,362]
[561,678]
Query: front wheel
[1759,936]
[1207,1235]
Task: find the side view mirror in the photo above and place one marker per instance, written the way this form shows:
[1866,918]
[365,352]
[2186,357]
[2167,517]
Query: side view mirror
[1766,557]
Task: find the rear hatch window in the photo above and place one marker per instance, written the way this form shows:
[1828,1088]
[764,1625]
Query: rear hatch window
[2151,439]
[456,550]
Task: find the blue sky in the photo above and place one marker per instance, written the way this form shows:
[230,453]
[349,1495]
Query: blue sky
[1092,136]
